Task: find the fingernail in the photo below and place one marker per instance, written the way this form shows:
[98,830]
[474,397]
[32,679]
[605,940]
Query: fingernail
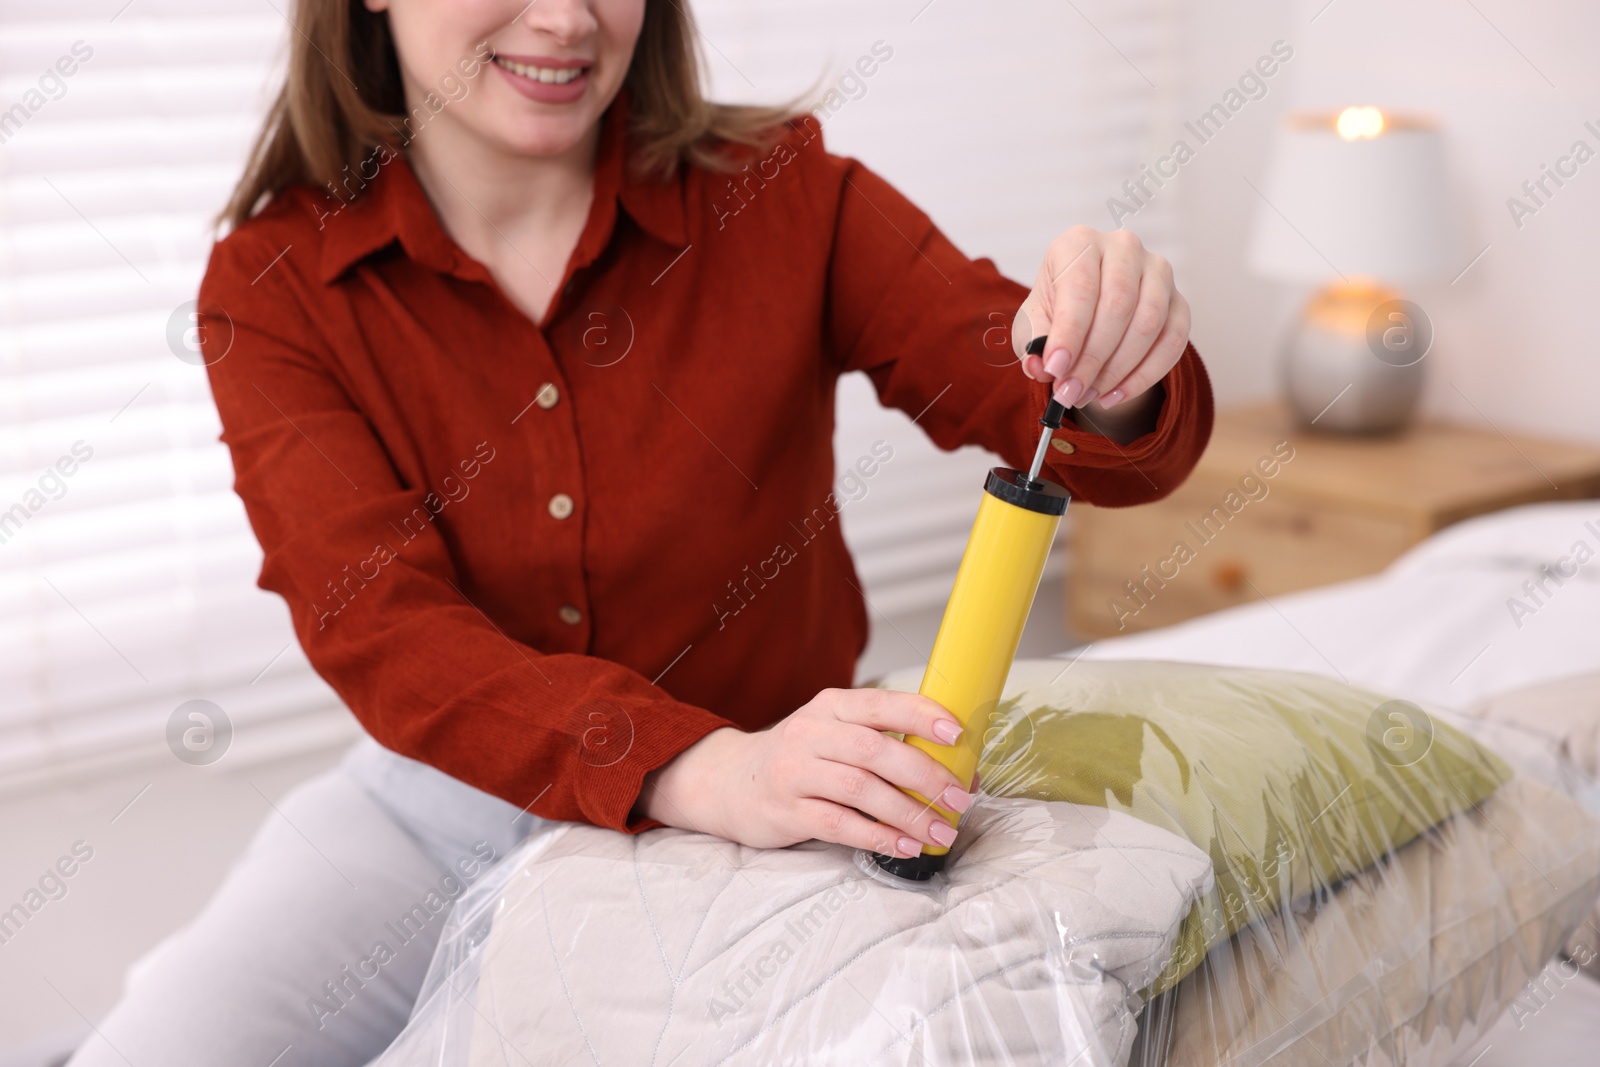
[1112,399]
[955,799]
[1067,395]
[946,730]
[942,833]
[910,846]
[1088,395]
[1057,362]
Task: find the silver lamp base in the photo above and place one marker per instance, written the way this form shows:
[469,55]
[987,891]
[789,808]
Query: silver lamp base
[1352,363]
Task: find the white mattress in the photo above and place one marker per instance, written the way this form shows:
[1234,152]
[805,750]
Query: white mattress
[1436,627]
[1556,1026]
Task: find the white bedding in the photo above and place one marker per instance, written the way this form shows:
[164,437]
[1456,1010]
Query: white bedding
[1436,626]
[674,948]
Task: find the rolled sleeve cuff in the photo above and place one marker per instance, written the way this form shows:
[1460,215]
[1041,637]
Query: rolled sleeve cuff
[1150,466]
[616,753]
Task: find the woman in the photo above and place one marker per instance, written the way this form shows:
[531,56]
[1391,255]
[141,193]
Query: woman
[530,402]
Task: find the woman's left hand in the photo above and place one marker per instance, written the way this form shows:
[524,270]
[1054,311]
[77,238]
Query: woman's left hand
[1114,322]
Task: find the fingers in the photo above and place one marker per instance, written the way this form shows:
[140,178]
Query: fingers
[1164,354]
[897,764]
[827,821]
[886,709]
[1071,281]
[1143,326]
[837,754]
[877,799]
[1121,269]
[1116,323]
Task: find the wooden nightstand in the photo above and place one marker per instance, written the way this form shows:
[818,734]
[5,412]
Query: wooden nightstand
[1272,508]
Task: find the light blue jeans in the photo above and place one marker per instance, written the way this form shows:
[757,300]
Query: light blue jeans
[314,947]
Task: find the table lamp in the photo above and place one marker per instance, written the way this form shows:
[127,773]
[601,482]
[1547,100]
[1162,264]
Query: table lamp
[1354,202]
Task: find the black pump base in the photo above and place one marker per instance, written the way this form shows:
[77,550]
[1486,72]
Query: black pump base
[918,868]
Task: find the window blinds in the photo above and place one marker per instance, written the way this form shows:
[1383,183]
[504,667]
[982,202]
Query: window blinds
[126,567]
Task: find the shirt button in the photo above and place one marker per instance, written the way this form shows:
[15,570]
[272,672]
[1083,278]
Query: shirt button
[548,395]
[561,505]
[570,615]
[1064,447]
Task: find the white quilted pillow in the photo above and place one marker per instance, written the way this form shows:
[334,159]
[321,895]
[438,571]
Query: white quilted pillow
[674,948]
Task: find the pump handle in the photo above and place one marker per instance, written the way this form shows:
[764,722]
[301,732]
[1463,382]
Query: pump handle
[1054,413]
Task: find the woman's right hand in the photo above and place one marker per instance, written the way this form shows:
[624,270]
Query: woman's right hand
[825,773]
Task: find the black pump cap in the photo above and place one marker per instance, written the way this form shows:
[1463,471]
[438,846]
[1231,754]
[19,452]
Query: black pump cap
[1047,498]
[918,868]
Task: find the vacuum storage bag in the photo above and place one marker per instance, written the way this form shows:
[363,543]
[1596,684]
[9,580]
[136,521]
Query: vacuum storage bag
[1169,864]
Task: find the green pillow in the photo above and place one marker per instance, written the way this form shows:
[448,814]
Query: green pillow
[1289,781]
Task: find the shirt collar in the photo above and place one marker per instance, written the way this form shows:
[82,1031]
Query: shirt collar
[394,207]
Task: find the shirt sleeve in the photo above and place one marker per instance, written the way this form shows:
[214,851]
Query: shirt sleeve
[565,736]
[932,329]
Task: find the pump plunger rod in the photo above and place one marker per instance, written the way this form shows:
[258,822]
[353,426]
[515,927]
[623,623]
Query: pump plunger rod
[1053,414]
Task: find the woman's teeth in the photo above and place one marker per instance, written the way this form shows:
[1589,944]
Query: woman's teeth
[548,75]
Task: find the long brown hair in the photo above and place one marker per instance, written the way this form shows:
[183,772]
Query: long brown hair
[342,100]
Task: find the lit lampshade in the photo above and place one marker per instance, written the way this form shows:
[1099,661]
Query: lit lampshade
[1354,202]
[1365,190]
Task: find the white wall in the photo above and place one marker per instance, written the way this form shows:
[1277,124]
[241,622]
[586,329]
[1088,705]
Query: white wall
[1516,334]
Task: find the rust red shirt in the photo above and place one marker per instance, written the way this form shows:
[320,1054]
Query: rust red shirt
[547,557]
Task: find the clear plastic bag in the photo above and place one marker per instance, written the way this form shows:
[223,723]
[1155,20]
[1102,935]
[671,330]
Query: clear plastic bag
[1171,865]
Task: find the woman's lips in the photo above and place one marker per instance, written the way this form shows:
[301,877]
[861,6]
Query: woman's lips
[545,78]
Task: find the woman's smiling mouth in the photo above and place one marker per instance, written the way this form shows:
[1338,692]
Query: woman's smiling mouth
[544,71]
[546,79]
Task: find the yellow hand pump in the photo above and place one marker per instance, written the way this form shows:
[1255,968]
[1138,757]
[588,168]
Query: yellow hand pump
[982,625]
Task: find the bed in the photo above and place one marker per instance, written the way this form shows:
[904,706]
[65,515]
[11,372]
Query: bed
[1437,625]
[644,951]
[1497,618]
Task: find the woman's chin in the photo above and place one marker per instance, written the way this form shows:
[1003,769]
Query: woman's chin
[544,138]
